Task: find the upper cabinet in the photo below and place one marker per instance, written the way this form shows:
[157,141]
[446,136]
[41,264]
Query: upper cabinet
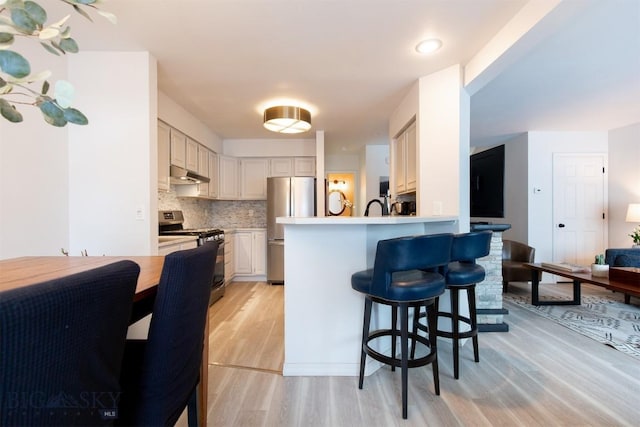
[228,184]
[230,178]
[203,168]
[253,178]
[164,144]
[304,166]
[405,160]
[178,148]
[281,166]
[292,166]
[191,161]
[214,171]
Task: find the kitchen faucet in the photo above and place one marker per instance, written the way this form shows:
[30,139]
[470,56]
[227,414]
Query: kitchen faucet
[385,210]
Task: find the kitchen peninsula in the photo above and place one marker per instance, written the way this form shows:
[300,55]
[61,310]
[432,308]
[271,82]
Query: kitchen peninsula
[322,313]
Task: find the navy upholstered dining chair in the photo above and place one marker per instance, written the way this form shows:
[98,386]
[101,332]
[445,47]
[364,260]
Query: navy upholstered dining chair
[160,374]
[61,347]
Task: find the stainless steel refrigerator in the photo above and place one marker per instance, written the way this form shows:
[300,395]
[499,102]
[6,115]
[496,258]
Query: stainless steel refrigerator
[286,196]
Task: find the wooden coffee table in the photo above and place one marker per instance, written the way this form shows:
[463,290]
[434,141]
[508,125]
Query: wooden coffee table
[628,287]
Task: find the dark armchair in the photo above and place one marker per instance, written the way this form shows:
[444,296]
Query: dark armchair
[514,256]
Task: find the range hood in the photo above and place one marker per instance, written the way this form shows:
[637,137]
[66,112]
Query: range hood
[183,176]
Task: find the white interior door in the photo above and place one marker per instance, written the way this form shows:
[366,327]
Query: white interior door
[579,207]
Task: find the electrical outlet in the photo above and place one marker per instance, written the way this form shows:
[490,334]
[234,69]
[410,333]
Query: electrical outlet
[250,212]
[140,213]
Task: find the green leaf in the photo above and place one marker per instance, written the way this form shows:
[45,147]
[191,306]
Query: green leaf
[6,38]
[85,1]
[9,112]
[66,33]
[45,87]
[37,13]
[76,117]
[23,21]
[69,45]
[14,64]
[50,49]
[82,12]
[53,114]
[57,46]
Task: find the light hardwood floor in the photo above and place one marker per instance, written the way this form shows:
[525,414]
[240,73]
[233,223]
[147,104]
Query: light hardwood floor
[537,374]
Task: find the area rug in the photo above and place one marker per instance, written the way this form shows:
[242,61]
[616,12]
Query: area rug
[604,320]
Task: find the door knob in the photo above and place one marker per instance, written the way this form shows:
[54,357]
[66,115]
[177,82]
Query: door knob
[560,225]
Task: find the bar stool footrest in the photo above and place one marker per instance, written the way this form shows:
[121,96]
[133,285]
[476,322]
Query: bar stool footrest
[396,361]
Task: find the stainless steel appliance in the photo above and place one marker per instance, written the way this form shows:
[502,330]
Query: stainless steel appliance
[170,223]
[286,196]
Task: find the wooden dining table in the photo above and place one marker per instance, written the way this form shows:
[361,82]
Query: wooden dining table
[25,271]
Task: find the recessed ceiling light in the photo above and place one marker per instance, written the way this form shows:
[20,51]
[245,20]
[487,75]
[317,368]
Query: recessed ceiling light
[428,46]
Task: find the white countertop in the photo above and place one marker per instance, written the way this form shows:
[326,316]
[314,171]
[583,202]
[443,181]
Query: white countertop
[363,220]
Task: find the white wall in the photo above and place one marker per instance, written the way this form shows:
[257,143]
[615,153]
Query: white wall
[624,182]
[33,174]
[269,147]
[113,160]
[542,146]
[175,115]
[443,144]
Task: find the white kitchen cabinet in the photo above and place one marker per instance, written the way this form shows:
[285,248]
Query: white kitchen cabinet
[191,156]
[178,148]
[214,171]
[228,184]
[229,262]
[203,169]
[253,178]
[250,253]
[243,252]
[405,161]
[164,149]
[281,166]
[304,166]
[259,253]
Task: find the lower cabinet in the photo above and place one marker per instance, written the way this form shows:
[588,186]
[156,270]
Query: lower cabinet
[250,250]
[229,262]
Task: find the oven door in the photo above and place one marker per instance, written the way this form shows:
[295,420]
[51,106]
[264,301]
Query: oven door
[218,273]
[218,285]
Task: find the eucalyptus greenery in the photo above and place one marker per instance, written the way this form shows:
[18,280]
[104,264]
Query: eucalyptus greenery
[19,18]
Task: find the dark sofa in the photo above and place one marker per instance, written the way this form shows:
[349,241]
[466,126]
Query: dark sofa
[622,257]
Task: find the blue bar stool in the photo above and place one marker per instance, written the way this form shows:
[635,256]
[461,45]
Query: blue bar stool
[398,280]
[462,274]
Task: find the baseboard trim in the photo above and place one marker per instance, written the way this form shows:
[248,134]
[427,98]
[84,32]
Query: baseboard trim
[485,311]
[493,327]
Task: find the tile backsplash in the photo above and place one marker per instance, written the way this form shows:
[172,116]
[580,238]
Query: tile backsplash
[223,214]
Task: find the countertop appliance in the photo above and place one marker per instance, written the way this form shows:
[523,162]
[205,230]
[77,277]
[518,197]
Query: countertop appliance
[170,223]
[286,196]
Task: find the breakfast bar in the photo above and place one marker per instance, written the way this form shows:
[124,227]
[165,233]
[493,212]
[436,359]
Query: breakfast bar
[322,313]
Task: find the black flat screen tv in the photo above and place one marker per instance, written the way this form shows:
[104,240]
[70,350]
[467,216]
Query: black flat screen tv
[487,183]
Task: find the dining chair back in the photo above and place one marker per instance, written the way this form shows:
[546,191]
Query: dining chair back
[160,374]
[61,347]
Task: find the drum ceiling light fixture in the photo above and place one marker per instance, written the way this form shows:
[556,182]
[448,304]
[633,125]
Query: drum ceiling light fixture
[287,119]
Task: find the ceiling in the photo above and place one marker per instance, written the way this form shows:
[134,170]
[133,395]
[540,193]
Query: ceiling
[352,61]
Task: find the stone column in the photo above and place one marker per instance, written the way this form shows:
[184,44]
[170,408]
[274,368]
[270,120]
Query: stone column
[489,291]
